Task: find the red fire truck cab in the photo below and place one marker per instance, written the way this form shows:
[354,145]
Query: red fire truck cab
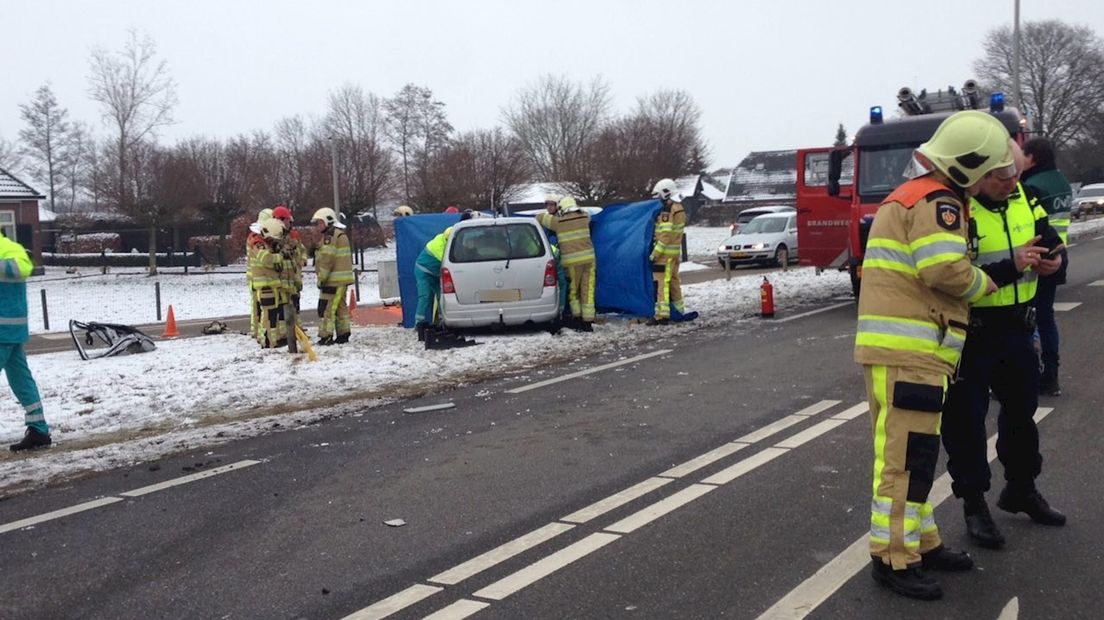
[840,189]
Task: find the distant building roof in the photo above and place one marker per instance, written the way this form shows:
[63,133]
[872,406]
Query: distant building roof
[11,187]
[764,175]
[46,215]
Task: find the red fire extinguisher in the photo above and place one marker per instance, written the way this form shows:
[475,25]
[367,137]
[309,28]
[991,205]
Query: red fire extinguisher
[766,299]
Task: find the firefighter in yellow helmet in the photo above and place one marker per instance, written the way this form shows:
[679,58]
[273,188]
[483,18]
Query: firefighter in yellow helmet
[267,267]
[667,252]
[333,263]
[571,226]
[917,286]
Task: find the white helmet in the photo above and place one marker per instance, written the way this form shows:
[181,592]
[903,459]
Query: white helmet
[552,198]
[402,211]
[327,215]
[272,228]
[665,190]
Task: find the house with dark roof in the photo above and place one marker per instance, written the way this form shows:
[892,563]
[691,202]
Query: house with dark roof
[19,213]
[763,178]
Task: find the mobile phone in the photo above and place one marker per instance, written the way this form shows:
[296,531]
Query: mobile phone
[1055,252]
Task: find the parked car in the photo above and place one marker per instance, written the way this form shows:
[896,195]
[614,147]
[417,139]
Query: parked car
[498,271]
[745,216]
[769,238]
[1090,199]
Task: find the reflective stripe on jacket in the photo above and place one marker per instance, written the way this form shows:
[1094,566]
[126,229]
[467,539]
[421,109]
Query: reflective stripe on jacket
[917,280]
[15,268]
[333,262]
[668,233]
[572,229]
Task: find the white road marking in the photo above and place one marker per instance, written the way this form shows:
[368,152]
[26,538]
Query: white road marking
[700,461]
[772,428]
[648,514]
[616,500]
[1098,238]
[191,478]
[57,514]
[423,409]
[501,553]
[583,373]
[812,312]
[1065,306]
[545,566]
[458,610]
[816,408]
[1011,611]
[739,469]
[60,336]
[1097,283]
[810,433]
[394,603]
[852,412]
[811,593]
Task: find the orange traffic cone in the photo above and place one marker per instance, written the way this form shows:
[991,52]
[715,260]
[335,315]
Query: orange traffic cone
[170,325]
[352,299]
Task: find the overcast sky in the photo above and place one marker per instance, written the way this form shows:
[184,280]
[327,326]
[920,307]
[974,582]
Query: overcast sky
[767,75]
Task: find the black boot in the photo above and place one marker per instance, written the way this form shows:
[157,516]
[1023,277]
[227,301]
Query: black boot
[1029,501]
[658,322]
[944,559]
[421,327]
[980,525]
[911,582]
[1050,388]
[33,439]
[341,339]
[324,341]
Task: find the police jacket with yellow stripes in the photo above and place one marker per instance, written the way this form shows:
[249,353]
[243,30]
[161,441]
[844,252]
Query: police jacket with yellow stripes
[997,228]
[572,230]
[667,239]
[333,262]
[15,268]
[917,280]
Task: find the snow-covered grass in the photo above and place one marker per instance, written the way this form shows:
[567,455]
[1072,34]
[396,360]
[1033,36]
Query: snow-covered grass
[702,241]
[120,410]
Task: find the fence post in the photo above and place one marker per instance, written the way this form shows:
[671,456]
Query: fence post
[356,281]
[157,298]
[728,266]
[103,261]
[186,261]
[45,312]
[291,320]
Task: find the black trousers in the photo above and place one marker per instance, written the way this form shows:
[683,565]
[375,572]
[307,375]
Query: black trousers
[1000,357]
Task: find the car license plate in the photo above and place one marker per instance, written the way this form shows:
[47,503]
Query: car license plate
[499,295]
[738,255]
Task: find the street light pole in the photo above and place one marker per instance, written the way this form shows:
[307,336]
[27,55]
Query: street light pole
[1016,58]
[333,166]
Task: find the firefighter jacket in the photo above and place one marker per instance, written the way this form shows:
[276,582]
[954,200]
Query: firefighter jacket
[667,239]
[917,280]
[294,257]
[572,229]
[267,266]
[253,242]
[997,228]
[15,268]
[333,262]
[1054,193]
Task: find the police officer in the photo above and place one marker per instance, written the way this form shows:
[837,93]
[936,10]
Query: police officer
[333,264]
[667,252]
[1043,181]
[913,309]
[1006,231]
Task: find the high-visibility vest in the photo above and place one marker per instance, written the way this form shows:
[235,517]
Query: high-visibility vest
[15,268]
[998,234]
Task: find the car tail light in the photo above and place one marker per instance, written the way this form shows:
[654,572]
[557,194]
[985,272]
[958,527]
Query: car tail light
[446,281]
[550,273]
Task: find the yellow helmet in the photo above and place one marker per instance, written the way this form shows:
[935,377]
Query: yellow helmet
[969,145]
[568,204]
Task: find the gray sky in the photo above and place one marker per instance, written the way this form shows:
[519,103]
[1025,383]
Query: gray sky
[767,75]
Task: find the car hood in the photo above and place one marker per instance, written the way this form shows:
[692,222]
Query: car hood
[742,239]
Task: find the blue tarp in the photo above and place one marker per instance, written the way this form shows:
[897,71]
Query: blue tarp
[622,235]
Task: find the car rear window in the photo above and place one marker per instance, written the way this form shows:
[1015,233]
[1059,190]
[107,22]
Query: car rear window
[484,243]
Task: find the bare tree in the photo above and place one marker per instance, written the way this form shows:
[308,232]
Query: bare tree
[481,169]
[219,178]
[418,129]
[166,189]
[1062,75]
[75,163]
[304,165]
[365,164]
[557,122]
[44,139]
[10,158]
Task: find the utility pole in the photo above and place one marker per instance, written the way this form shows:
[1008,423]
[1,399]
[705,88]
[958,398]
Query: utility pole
[333,166]
[1016,58]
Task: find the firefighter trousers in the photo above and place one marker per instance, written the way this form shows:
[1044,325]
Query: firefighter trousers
[905,406]
[333,312]
[668,288]
[580,290]
[272,328]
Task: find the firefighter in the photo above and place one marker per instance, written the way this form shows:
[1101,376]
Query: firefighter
[294,254]
[999,354]
[913,313]
[333,262]
[267,267]
[1049,186]
[253,241]
[15,268]
[666,252]
[571,225]
[402,211]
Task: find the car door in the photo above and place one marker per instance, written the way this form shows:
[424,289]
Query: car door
[791,235]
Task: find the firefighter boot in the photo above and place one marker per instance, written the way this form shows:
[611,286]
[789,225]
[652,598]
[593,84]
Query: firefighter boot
[341,339]
[944,559]
[33,439]
[911,582]
[1030,501]
[979,523]
[325,342]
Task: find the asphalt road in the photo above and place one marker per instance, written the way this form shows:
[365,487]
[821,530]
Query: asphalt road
[709,475]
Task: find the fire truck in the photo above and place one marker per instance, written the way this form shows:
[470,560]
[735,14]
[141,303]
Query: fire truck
[839,189]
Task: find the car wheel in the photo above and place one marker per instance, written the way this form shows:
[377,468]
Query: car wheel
[782,256]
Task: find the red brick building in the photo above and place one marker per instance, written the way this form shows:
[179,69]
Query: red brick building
[19,213]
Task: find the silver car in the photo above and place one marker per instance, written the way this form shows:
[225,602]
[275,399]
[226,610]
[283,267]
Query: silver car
[769,238]
[498,271]
[1090,199]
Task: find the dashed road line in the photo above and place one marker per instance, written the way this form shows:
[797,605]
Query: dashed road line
[545,566]
[812,312]
[811,593]
[499,554]
[810,433]
[733,472]
[817,407]
[57,514]
[852,412]
[1011,611]
[666,505]
[161,486]
[1065,306]
[395,602]
[616,500]
[583,373]
[708,458]
[1097,283]
[459,610]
